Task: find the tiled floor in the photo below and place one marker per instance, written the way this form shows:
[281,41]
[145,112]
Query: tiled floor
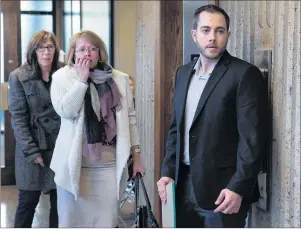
[9,197]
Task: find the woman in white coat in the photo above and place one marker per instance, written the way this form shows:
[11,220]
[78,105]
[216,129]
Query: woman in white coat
[98,133]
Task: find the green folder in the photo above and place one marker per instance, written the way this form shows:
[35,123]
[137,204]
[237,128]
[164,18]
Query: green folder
[169,208]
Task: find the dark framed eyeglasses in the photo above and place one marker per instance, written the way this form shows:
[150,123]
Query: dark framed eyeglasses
[50,48]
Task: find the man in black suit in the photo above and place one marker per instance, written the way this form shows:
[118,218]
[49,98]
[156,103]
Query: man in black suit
[218,131]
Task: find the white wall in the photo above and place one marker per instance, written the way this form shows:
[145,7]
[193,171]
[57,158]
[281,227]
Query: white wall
[95,18]
[125,36]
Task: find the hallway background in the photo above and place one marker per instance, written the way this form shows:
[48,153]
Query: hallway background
[146,41]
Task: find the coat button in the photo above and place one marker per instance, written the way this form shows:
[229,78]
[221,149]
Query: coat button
[46,120]
[45,107]
[55,132]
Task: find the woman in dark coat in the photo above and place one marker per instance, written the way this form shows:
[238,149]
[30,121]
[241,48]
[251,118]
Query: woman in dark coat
[36,126]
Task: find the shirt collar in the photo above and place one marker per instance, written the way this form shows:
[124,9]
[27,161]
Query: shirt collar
[198,68]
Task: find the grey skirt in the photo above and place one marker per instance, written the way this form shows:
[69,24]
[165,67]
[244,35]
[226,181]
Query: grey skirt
[97,205]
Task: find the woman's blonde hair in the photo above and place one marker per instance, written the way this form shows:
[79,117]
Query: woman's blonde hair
[94,39]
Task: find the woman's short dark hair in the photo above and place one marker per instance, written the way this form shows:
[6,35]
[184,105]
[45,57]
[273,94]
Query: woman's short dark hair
[210,9]
[38,39]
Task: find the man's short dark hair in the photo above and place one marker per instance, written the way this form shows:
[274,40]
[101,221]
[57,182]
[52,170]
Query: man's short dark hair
[210,9]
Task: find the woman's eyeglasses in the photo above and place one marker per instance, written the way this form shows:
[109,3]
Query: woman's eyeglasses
[50,48]
[83,50]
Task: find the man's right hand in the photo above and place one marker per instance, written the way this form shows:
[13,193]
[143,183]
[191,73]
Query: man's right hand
[161,184]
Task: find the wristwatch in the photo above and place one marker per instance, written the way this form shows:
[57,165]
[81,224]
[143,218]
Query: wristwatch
[137,150]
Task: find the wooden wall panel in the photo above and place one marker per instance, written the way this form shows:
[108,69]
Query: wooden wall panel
[11,28]
[169,56]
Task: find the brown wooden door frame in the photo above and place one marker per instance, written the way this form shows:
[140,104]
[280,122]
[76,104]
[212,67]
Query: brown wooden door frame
[169,56]
[12,50]
[59,20]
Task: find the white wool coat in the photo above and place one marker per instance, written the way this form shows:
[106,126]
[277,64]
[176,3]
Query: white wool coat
[67,95]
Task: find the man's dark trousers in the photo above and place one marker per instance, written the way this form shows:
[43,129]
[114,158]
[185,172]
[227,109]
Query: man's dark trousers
[189,214]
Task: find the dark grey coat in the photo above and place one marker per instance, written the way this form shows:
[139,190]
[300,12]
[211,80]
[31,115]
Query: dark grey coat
[36,126]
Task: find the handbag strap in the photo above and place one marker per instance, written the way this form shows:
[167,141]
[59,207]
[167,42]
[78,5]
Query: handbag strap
[154,222]
[144,191]
[136,196]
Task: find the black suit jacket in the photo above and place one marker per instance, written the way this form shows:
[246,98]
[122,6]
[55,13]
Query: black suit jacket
[228,135]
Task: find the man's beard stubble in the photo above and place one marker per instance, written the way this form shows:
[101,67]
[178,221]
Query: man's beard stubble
[203,52]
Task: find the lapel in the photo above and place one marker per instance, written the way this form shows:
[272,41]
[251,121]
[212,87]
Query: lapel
[184,81]
[217,74]
[33,84]
[26,73]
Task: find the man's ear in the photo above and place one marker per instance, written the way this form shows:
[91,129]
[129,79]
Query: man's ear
[193,34]
[229,33]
